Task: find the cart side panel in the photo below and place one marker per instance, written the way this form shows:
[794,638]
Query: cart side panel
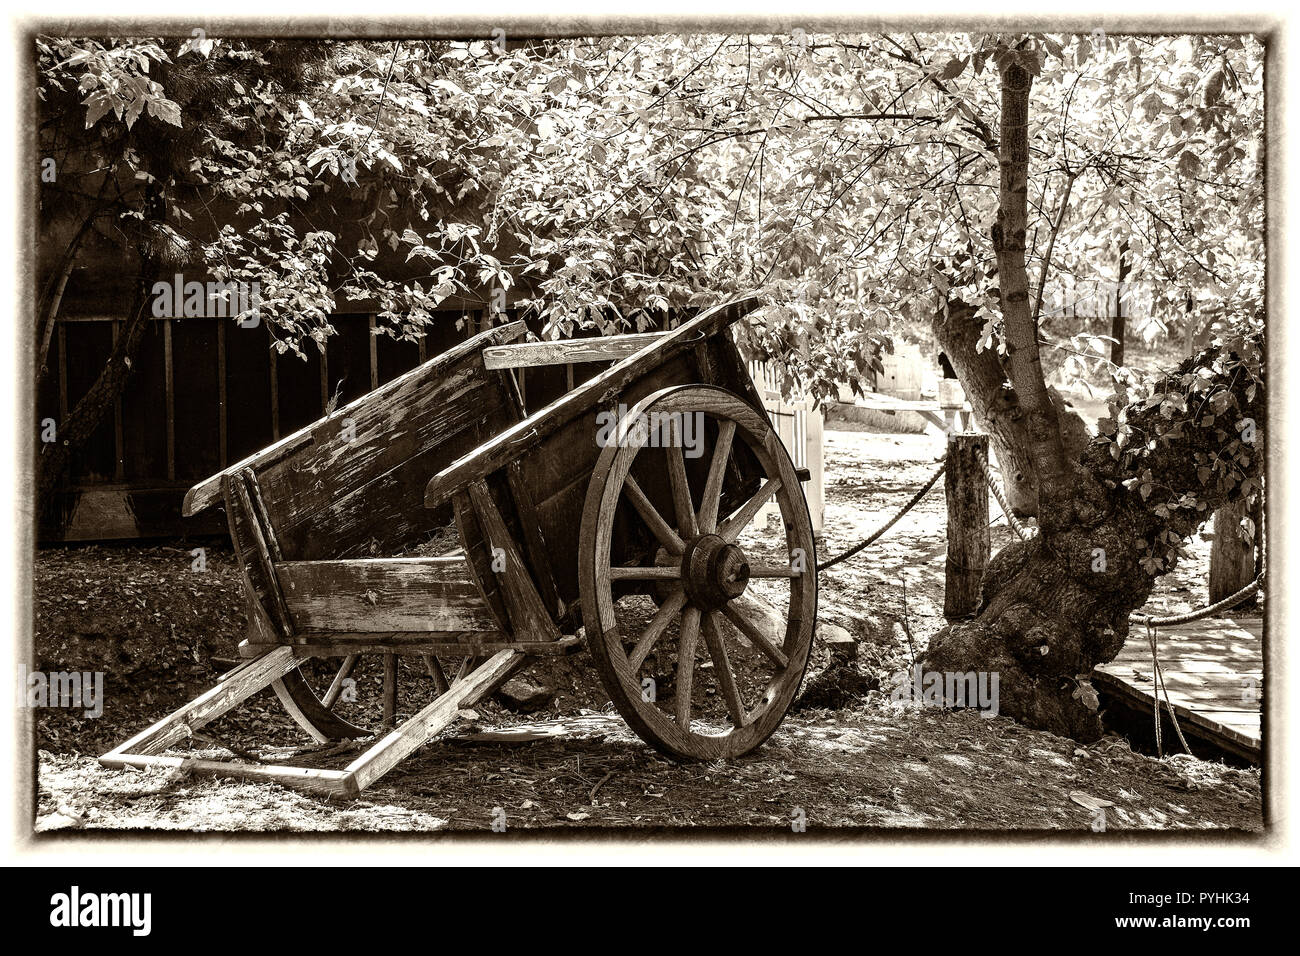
[356,489]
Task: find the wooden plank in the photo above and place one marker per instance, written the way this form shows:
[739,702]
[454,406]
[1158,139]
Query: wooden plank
[539,558]
[330,782]
[119,443]
[169,399]
[385,755]
[325,381]
[263,628]
[223,424]
[62,337]
[422,645]
[1213,671]
[607,348]
[274,365]
[208,492]
[606,387]
[529,618]
[412,595]
[238,685]
[374,354]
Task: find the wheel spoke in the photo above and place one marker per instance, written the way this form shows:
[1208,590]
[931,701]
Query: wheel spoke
[717,470]
[722,668]
[646,642]
[685,507]
[686,664]
[733,526]
[336,686]
[755,635]
[656,572]
[662,530]
[763,570]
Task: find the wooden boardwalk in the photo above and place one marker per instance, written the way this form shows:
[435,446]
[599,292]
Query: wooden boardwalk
[1214,671]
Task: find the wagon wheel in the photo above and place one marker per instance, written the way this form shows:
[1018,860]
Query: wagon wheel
[318,697]
[715,592]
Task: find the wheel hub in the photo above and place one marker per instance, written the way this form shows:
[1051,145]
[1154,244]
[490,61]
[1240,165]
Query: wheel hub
[714,571]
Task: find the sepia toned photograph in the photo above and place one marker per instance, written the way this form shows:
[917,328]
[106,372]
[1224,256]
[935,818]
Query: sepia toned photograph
[747,430]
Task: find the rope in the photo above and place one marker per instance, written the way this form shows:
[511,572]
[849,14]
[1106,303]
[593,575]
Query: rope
[1159,682]
[1230,601]
[870,539]
[1159,687]
[996,487]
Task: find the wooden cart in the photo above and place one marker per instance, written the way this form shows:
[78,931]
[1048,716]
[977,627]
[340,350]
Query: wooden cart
[619,516]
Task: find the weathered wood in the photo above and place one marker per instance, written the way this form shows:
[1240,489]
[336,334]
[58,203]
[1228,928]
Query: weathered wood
[207,492]
[385,755]
[223,424]
[434,667]
[608,348]
[169,399]
[529,618]
[263,516]
[265,562]
[374,355]
[479,559]
[968,525]
[539,558]
[787,645]
[1232,557]
[377,595]
[1214,671]
[274,371]
[327,782]
[422,645]
[336,685]
[390,690]
[119,442]
[144,750]
[606,387]
[233,688]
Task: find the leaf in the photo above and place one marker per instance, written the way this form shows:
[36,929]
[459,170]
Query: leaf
[1089,802]
[166,110]
[953,68]
[95,110]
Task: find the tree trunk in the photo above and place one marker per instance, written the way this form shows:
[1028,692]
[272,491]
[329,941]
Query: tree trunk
[86,415]
[1118,323]
[48,306]
[1058,605]
[1045,448]
[993,400]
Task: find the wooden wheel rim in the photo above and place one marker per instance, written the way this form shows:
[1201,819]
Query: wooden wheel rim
[319,719]
[604,634]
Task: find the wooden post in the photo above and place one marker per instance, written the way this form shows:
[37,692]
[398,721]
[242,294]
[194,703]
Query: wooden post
[390,691]
[968,525]
[1232,557]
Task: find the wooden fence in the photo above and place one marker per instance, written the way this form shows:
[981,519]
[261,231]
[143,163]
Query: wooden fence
[205,392]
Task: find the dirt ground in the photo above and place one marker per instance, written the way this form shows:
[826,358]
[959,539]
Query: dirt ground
[163,631]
